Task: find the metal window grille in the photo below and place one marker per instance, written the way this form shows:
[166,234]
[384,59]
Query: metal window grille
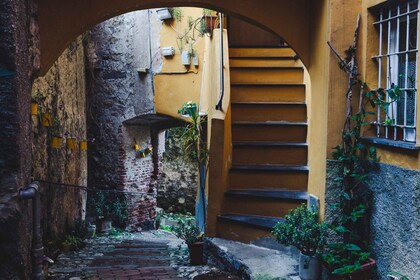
[397,64]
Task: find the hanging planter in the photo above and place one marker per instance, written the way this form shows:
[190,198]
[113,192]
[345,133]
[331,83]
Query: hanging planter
[46,119]
[34,108]
[71,143]
[56,142]
[83,145]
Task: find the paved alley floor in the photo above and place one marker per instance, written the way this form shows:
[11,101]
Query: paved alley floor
[139,256]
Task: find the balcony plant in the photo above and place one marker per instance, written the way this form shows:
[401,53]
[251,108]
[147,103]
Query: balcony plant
[302,229]
[192,236]
[108,209]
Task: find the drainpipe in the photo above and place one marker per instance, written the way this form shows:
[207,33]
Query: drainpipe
[32,192]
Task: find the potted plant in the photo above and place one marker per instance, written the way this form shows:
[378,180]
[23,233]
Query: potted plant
[108,210]
[209,21]
[302,229]
[193,237]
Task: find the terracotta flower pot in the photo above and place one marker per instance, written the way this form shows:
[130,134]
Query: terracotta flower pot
[196,251]
[46,119]
[34,108]
[56,142]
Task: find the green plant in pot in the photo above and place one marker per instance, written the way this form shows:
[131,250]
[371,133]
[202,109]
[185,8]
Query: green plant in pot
[302,229]
[193,237]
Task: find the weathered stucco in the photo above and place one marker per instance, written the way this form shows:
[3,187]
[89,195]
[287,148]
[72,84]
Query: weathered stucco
[395,220]
[64,89]
[177,185]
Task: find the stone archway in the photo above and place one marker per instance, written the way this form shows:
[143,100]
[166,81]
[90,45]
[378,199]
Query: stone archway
[303,24]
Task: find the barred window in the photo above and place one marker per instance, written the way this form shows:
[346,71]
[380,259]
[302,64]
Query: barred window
[397,65]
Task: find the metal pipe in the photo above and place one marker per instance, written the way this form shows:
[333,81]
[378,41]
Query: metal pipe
[222,74]
[32,192]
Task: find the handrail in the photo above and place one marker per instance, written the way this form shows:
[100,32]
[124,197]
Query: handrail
[222,75]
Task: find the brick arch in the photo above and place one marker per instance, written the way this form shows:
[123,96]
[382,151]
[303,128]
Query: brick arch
[60,22]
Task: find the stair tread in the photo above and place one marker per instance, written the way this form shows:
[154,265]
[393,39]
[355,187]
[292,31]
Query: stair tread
[264,222]
[269,167]
[271,193]
[267,67]
[268,123]
[269,144]
[266,103]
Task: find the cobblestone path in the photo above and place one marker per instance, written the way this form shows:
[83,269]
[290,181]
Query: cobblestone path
[144,256]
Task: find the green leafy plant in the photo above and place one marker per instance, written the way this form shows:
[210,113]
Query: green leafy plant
[186,230]
[73,240]
[177,13]
[302,229]
[105,205]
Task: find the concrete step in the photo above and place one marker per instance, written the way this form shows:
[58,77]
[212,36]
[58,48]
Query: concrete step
[279,52]
[268,93]
[265,259]
[266,75]
[268,111]
[269,131]
[270,153]
[269,177]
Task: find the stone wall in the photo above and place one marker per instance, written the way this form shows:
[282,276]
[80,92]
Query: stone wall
[395,220]
[116,49]
[18,57]
[62,93]
[177,186]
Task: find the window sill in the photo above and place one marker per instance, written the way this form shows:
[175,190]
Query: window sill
[391,143]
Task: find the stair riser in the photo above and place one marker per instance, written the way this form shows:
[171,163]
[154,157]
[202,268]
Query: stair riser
[239,232]
[292,180]
[268,94]
[269,133]
[265,52]
[264,62]
[266,76]
[291,113]
[258,206]
[270,155]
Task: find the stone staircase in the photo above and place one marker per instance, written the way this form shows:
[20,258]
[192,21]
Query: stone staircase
[269,172]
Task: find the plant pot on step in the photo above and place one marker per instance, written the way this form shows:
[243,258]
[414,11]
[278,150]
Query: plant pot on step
[309,267]
[67,247]
[364,273]
[196,251]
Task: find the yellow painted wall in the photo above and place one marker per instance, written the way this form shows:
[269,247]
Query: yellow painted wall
[176,84]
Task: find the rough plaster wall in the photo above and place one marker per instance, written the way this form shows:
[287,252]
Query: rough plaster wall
[177,186]
[395,234]
[65,88]
[117,92]
[18,54]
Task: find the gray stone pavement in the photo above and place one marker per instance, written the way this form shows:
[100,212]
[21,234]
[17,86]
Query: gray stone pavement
[138,256]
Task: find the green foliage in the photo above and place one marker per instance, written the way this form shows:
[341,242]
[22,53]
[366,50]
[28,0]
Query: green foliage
[302,230]
[73,240]
[186,230]
[399,275]
[177,13]
[106,205]
[192,138]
